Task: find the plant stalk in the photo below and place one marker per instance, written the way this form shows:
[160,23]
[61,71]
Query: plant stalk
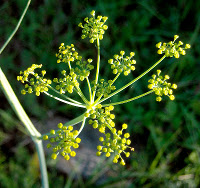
[35,135]
[128,100]
[98,66]
[16,28]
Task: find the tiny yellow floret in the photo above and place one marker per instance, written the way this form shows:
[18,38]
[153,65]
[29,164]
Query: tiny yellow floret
[124,126]
[176,37]
[54,156]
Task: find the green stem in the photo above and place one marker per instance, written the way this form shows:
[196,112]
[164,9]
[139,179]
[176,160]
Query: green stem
[16,28]
[82,126]
[43,168]
[64,101]
[35,135]
[116,78]
[15,104]
[128,100]
[81,94]
[69,65]
[98,66]
[72,100]
[75,120]
[89,87]
[127,85]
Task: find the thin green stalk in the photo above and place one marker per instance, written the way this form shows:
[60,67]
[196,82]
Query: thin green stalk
[81,94]
[128,100]
[130,83]
[89,88]
[69,65]
[98,66]
[72,100]
[75,120]
[15,104]
[82,126]
[116,78]
[64,101]
[42,162]
[16,28]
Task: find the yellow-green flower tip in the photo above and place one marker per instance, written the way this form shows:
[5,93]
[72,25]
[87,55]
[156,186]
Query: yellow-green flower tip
[126,135]
[122,162]
[172,97]
[70,128]
[187,46]
[122,53]
[99,148]
[158,99]
[132,54]
[124,126]
[52,132]
[78,140]
[92,12]
[127,154]
[60,125]
[107,154]
[67,157]
[45,137]
[23,92]
[73,153]
[98,153]
[176,37]
[54,156]
[101,139]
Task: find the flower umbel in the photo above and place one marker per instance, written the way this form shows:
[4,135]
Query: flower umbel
[37,83]
[161,87]
[101,118]
[122,64]
[67,54]
[78,75]
[103,88]
[117,145]
[62,141]
[172,48]
[94,27]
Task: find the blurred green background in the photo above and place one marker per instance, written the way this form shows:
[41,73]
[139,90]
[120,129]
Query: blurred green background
[165,135]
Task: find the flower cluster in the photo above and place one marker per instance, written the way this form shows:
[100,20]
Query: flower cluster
[65,138]
[66,84]
[161,87]
[116,145]
[83,69]
[103,118]
[67,54]
[172,48]
[122,64]
[36,83]
[94,28]
[103,88]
